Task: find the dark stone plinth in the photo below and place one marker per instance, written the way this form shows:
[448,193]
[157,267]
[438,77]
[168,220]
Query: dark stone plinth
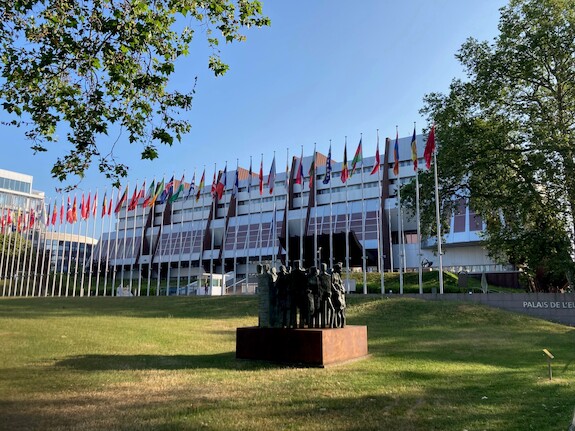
[309,347]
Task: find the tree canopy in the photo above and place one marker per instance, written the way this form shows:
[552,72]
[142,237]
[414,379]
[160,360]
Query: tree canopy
[85,66]
[506,140]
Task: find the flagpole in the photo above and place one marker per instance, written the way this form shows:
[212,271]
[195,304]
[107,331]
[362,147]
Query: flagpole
[107,271]
[134,207]
[347,287]
[202,233]
[287,185]
[399,222]
[81,293]
[44,242]
[87,212]
[364,256]
[330,214]
[100,243]
[415,166]
[438,221]
[224,231]
[381,258]
[212,228]
[28,260]
[236,222]
[313,163]
[57,248]
[271,183]
[301,212]
[260,228]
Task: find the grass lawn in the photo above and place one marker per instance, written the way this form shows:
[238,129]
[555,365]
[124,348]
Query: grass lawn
[162,363]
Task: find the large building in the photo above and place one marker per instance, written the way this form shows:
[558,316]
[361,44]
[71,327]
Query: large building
[284,218]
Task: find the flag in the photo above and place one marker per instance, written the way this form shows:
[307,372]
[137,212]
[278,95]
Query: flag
[396,155]
[287,175]
[121,200]
[357,158]
[262,177]
[110,205]
[214,186]
[327,177]
[19,221]
[95,205]
[236,184]
[201,186]
[69,214]
[311,172]
[429,147]
[272,176]
[104,203]
[88,206]
[344,171]
[62,211]
[159,189]
[74,211]
[83,208]
[176,195]
[9,219]
[134,199]
[166,192]
[32,218]
[150,194]
[54,213]
[414,150]
[221,187]
[192,188]
[377,161]
[299,175]
[250,174]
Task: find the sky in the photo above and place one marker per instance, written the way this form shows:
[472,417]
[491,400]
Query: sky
[323,71]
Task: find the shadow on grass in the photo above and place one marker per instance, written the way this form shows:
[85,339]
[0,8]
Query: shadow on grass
[221,361]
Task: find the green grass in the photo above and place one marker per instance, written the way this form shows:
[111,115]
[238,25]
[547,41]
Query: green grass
[169,364]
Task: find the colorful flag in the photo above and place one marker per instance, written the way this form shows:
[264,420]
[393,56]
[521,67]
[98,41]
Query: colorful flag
[414,150]
[250,174]
[192,188]
[429,147]
[221,187]
[104,203]
[83,208]
[311,171]
[167,192]
[272,176]
[396,155]
[69,214]
[236,184]
[201,186]
[32,218]
[159,189]
[299,175]
[214,190]
[75,211]
[134,199]
[377,161]
[95,205]
[54,213]
[180,189]
[121,200]
[110,205]
[327,177]
[88,205]
[62,211]
[262,177]
[344,171]
[150,194]
[357,158]
[287,175]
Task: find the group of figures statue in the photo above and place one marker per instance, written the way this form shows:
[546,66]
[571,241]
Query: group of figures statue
[298,298]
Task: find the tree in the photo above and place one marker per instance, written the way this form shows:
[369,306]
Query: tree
[89,65]
[506,140]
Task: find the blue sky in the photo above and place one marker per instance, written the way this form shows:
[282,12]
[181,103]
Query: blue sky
[325,69]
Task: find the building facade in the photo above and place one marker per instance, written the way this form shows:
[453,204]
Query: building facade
[313,211]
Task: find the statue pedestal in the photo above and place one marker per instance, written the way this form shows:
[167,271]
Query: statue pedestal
[308,347]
